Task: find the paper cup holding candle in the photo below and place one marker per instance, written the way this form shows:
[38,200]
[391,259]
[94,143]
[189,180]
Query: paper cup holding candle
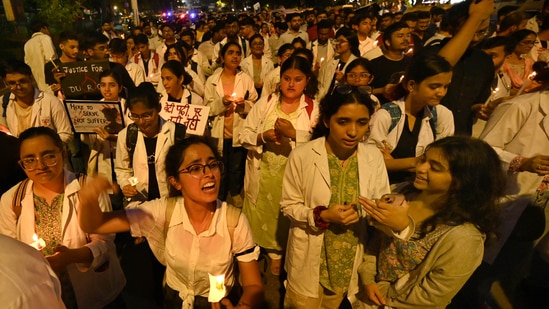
[217,288]
[38,243]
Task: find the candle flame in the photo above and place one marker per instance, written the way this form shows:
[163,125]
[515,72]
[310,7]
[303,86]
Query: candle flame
[35,237]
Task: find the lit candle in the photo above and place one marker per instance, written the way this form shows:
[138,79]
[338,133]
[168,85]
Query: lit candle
[527,82]
[233,96]
[133,181]
[217,288]
[375,43]
[321,60]
[491,96]
[38,243]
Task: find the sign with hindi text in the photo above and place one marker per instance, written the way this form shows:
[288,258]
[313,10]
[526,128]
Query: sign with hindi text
[194,117]
[86,115]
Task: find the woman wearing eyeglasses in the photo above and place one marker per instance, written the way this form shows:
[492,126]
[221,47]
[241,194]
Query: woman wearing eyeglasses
[276,125]
[46,207]
[198,241]
[517,65]
[402,129]
[140,159]
[257,65]
[358,73]
[331,71]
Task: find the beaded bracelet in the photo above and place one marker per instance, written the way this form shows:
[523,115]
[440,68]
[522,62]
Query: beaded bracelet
[515,164]
[321,224]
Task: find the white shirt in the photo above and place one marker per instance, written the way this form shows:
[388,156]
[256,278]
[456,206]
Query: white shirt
[26,278]
[39,49]
[365,46]
[189,257]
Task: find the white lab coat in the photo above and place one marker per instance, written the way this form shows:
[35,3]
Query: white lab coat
[39,50]
[140,169]
[214,99]
[520,126]
[47,111]
[327,72]
[254,125]
[306,185]
[247,66]
[93,289]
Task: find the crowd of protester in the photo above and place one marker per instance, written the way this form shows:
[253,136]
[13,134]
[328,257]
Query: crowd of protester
[379,157]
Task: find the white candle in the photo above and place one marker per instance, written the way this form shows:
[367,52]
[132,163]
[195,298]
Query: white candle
[38,243]
[527,82]
[217,288]
[133,181]
[491,96]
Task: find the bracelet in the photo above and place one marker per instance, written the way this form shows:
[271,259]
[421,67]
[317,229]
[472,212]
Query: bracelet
[515,164]
[262,139]
[321,224]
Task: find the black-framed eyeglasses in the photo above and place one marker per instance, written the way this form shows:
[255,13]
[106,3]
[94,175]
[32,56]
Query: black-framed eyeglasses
[346,89]
[198,170]
[12,84]
[145,116]
[31,163]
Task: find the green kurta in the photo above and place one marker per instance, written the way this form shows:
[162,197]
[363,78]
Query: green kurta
[340,241]
[269,228]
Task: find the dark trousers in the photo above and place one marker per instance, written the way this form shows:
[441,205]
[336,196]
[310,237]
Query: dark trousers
[234,159]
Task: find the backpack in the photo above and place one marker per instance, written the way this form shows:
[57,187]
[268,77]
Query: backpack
[133,129]
[5,102]
[395,113]
[16,205]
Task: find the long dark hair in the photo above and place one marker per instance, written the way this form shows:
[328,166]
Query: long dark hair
[478,181]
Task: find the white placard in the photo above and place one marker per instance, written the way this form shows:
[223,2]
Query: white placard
[194,117]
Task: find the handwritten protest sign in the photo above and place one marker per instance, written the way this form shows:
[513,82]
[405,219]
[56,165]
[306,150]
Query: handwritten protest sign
[194,117]
[86,115]
[82,77]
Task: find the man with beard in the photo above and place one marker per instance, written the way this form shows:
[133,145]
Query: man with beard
[396,40]
[69,46]
[232,28]
[294,30]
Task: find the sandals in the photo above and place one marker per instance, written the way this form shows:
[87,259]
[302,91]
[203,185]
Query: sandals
[276,265]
